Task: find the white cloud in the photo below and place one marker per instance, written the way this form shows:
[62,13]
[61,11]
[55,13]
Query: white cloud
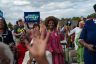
[69,9]
[14,9]
[5,1]
[21,2]
[56,5]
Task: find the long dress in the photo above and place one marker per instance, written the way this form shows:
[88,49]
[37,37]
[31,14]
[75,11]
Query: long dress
[55,48]
[80,50]
[88,34]
[76,31]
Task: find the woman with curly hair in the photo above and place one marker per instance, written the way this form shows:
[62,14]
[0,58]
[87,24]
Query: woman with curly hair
[53,45]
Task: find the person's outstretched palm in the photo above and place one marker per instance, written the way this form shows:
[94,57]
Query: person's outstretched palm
[38,47]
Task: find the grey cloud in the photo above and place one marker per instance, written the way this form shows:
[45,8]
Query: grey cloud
[56,6]
[59,8]
[21,2]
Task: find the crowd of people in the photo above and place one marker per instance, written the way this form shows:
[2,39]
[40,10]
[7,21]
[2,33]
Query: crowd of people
[41,44]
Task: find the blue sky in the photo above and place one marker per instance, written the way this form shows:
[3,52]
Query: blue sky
[14,9]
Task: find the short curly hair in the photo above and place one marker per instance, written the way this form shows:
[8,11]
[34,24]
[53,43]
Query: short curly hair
[51,18]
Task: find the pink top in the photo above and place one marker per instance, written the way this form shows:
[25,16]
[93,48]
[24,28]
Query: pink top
[54,45]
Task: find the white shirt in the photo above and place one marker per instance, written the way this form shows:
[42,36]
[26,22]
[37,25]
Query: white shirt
[48,56]
[76,31]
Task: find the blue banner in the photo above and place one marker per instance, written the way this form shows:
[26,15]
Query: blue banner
[33,17]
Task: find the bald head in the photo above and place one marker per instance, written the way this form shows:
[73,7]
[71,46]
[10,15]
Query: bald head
[6,56]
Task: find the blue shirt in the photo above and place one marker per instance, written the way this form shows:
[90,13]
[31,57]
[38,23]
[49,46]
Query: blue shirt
[88,34]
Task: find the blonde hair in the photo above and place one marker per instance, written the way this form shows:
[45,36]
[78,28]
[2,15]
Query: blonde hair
[82,22]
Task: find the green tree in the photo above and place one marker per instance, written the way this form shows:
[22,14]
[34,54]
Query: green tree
[76,18]
[92,15]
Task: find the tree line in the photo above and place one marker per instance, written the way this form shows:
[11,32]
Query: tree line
[62,20]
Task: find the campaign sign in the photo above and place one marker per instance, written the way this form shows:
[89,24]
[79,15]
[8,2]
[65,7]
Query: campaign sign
[33,17]
[1,13]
